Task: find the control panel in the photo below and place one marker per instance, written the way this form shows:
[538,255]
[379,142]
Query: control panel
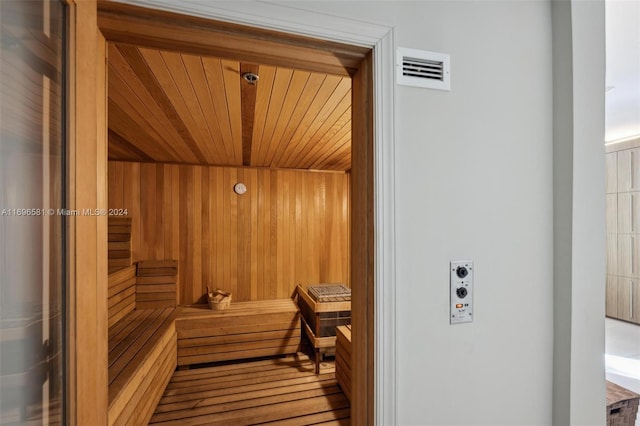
[461,283]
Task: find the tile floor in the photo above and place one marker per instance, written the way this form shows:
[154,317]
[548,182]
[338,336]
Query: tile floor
[622,354]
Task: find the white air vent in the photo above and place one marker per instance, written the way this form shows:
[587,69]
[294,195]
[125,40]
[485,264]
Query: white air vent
[420,68]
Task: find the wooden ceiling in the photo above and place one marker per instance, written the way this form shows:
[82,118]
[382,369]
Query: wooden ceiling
[181,108]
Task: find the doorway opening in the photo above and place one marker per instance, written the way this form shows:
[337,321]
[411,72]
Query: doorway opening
[142,151]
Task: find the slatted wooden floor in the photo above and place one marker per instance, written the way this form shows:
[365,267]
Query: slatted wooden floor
[283,391]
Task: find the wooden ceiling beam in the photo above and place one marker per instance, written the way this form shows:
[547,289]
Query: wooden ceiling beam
[248,93]
[188,34]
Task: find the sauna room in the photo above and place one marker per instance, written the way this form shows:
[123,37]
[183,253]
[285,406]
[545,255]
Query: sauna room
[229,253]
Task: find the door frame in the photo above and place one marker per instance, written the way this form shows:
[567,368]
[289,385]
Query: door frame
[376,285]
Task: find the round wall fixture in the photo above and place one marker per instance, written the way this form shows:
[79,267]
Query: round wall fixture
[239,188]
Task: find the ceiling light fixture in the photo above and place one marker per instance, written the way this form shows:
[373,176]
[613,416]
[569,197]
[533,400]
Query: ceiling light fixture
[250,77]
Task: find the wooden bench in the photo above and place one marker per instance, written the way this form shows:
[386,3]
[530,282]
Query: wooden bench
[343,359]
[244,330]
[142,352]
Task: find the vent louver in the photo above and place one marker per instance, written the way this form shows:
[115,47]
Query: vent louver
[420,68]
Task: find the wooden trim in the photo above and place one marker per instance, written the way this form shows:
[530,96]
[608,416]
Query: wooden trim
[285,169]
[363,248]
[87,312]
[616,146]
[71,395]
[248,92]
[158,29]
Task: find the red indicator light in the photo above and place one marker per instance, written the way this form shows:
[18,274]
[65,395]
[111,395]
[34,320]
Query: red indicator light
[459,305]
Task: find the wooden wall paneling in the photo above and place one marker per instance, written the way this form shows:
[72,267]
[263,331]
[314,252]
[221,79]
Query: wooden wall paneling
[130,201]
[195,238]
[205,249]
[263,234]
[290,227]
[635,315]
[612,296]
[625,286]
[233,228]
[112,175]
[612,213]
[628,170]
[624,213]
[273,236]
[612,254]
[253,173]
[165,213]
[625,255]
[634,212]
[147,218]
[611,172]
[628,212]
[242,292]
[88,287]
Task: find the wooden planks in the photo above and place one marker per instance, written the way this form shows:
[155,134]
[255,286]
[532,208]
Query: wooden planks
[343,359]
[244,330]
[122,293]
[156,284]
[142,357]
[290,227]
[176,107]
[282,391]
[119,242]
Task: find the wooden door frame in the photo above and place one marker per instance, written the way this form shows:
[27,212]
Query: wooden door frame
[368,59]
[86,390]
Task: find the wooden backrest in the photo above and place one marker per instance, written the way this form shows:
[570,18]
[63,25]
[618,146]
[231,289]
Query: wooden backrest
[156,284]
[119,240]
[122,293]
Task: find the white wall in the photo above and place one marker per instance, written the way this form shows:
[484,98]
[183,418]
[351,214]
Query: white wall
[474,181]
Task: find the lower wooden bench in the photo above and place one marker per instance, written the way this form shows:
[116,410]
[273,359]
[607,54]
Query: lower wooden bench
[244,330]
[142,358]
[343,358]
